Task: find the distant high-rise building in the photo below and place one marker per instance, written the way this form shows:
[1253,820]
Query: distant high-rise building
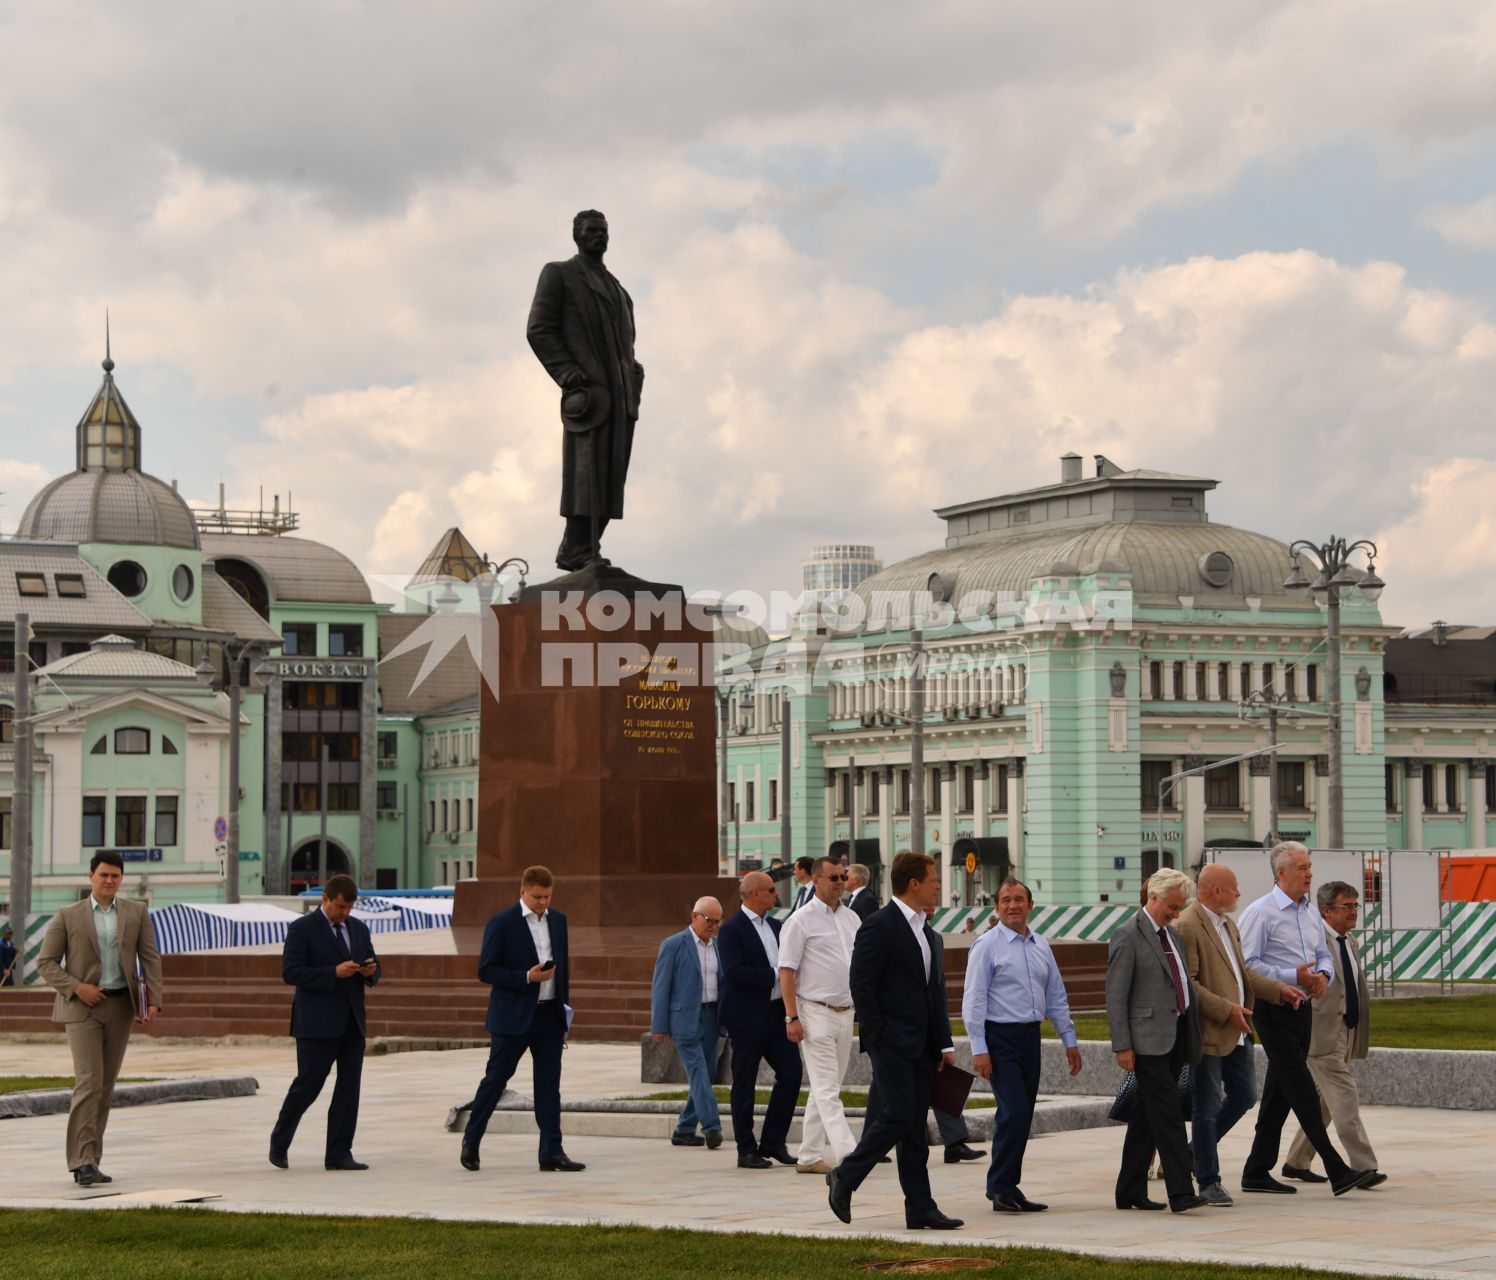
[836,568]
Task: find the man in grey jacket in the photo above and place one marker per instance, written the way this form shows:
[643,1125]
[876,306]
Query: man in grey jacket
[1150,1003]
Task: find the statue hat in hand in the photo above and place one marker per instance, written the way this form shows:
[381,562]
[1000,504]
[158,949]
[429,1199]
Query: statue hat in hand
[584,407]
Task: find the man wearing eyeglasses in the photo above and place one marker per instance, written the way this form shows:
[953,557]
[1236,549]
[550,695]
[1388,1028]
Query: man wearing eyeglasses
[815,975]
[1341,1034]
[683,1008]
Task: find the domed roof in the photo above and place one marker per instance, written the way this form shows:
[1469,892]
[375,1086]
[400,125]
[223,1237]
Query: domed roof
[1214,563]
[110,506]
[294,569]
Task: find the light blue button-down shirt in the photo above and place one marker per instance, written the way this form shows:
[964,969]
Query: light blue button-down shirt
[106,926]
[1013,978]
[1279,934]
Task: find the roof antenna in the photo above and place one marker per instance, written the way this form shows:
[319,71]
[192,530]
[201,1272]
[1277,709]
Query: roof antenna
[108,357]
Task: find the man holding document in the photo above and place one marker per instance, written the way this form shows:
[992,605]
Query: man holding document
[526,962]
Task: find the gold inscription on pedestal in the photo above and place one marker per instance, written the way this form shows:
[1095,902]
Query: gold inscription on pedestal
[651,726]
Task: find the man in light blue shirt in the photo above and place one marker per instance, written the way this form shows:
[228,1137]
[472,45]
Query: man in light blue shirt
[1282,936]
[1012,984]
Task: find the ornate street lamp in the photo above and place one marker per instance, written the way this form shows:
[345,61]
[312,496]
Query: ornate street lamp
[1336,576]
[1264,704]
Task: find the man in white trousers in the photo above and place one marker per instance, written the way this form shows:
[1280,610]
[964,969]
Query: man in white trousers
[815,965]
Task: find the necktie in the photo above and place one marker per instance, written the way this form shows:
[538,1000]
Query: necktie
[342,940]
[1163,939]
[1352,996]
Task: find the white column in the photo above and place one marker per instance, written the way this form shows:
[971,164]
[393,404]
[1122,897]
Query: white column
[885,827]
[1262,804]
[1190,667]
[854,812]
[979,799]
[947,815]
[1166,672]
[1192,833]
[1212,682]
[1233,681]
[1280,677]
[1413,802]
[1476,807]
[829,810]
[1015,813]
[1020,694]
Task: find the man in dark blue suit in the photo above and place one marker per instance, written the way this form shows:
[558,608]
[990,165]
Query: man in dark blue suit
[329,959]
[751,1011]
[898,988]
[526,962]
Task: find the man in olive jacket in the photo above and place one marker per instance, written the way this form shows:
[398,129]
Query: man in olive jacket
[1226,1079]
[90,955]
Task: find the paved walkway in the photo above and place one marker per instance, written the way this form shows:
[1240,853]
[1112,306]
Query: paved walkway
[1432,1218]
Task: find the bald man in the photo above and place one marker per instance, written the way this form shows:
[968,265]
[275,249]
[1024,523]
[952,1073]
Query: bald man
[683,1008]
[1226,1079]
[752,1013]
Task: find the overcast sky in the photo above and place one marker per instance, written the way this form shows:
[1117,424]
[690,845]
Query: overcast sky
[884,258]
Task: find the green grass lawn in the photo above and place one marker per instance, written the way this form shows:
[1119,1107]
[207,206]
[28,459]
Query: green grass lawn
[24,1084]
[164,1244]
[1421,1022]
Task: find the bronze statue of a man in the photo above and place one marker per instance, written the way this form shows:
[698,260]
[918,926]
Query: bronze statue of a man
[582,330]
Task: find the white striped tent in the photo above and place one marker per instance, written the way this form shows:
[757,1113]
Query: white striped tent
[208,926]
[379,915]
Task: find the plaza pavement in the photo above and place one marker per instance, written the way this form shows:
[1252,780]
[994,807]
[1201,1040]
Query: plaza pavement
[1432,1218]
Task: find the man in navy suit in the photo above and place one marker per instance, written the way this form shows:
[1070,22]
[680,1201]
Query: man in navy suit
[329,959]
[752,1012]
[526,962]
[898,987]
[683,1008]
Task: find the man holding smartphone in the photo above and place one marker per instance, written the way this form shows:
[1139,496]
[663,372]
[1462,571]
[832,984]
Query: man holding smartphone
[329,959]
[526,963]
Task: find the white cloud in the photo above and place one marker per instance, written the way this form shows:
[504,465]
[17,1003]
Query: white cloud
[19,483]
[1470,226]
[1441,557]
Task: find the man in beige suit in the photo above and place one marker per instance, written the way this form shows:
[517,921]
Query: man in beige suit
[1225,1081]
[1342,1032]
[89,955]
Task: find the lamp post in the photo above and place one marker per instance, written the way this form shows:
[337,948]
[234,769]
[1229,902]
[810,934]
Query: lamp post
[234,658]
[1336,576]
[20,818]
[1255,706]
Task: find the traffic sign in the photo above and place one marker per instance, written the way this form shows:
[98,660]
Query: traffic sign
[220,829]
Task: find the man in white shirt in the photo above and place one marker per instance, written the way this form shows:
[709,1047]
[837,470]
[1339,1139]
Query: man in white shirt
[683,1008]
[815,963]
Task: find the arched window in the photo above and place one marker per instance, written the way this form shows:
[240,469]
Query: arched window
[101,747]
[132,742]
[168,747]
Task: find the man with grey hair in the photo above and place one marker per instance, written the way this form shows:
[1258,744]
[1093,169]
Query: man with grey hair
[751,1010]
[1152,1007]
[683,1008]
[1283,937]
[860,897]
[1342,1027]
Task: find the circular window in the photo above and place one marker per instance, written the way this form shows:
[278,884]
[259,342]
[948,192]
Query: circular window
[127,577]
[181,582]
[1216,568]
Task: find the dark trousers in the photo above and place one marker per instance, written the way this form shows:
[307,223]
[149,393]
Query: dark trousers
[1287,1087]
[1014,1047]
[749,1048]
[543,1041]
[1156,1124]
[1225,1089]
[314,1059]
[898,1102]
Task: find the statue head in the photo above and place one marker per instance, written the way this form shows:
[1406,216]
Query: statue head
[589,231]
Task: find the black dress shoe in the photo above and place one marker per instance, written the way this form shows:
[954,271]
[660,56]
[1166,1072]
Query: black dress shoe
[1266,1184]
[959,1151]
[279,1159]
[1183,1204]
[1029,1206]
[932,1219]
[561,1163]
[780,1153]
[838,1196]
[713,1139]
[687,1140]
[1355,1178]
[469,1158]
[1302,1175]
[347,1163]
[1006,1204]
[1144,1203]
[1375,1180]
[754,1161]
[90,1175]
[885,1159]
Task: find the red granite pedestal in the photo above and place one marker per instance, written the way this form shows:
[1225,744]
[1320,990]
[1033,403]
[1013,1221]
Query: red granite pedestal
[598,760]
